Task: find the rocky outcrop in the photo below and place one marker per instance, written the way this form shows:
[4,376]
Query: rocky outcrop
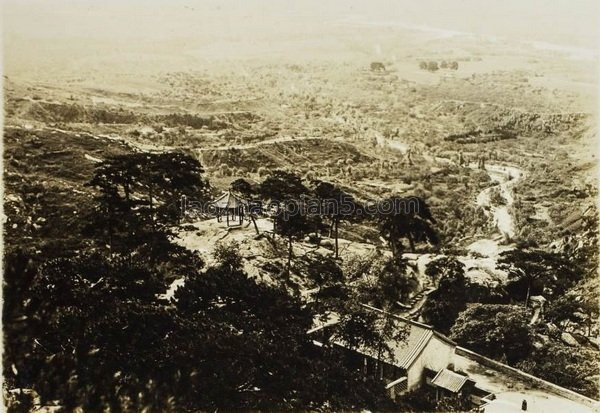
[568,339]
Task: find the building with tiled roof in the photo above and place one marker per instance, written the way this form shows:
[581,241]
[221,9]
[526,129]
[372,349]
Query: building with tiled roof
[414,349]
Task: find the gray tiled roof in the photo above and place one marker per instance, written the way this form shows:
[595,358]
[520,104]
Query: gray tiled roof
[449,380]
[410,338]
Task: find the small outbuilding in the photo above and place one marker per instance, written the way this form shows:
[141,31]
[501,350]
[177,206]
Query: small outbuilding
[448,382]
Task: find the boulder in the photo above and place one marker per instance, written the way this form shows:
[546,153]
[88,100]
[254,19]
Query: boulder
[538,345]
[327,243]
[569,339]
[540,341]
[552,329]
[544,338]
[594,341]
[537,300]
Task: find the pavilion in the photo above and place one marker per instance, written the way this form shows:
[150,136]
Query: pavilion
[232,205]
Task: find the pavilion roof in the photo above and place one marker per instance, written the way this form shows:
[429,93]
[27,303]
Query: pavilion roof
[229,201]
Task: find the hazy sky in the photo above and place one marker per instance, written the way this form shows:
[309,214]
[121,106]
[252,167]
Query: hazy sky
[163,18]
[35,30]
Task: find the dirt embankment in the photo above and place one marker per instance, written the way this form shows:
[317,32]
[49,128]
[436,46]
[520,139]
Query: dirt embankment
[57,112]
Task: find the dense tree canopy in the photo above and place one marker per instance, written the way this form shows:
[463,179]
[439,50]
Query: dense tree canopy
[327,276]
[450,298]
[535,271]
[139,199]
[260,333]
[291,222]
[388,282]
[92,332]
[408,218]
[336,205]
[497,331]
[243,187]
[573,368]
[282,185]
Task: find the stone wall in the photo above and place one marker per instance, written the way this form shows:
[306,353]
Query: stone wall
[527,378]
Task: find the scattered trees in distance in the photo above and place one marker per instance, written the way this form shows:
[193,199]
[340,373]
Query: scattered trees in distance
[433,65]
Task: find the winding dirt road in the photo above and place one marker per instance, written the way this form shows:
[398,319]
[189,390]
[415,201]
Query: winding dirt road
[481,262]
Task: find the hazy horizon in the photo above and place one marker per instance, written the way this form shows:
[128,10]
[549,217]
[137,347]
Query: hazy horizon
[36,32]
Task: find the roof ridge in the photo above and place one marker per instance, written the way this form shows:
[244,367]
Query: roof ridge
[407,320]
[413,322]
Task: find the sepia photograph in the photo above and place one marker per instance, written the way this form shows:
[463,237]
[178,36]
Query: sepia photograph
[300,206]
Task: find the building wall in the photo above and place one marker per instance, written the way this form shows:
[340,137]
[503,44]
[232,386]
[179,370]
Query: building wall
[436,355]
